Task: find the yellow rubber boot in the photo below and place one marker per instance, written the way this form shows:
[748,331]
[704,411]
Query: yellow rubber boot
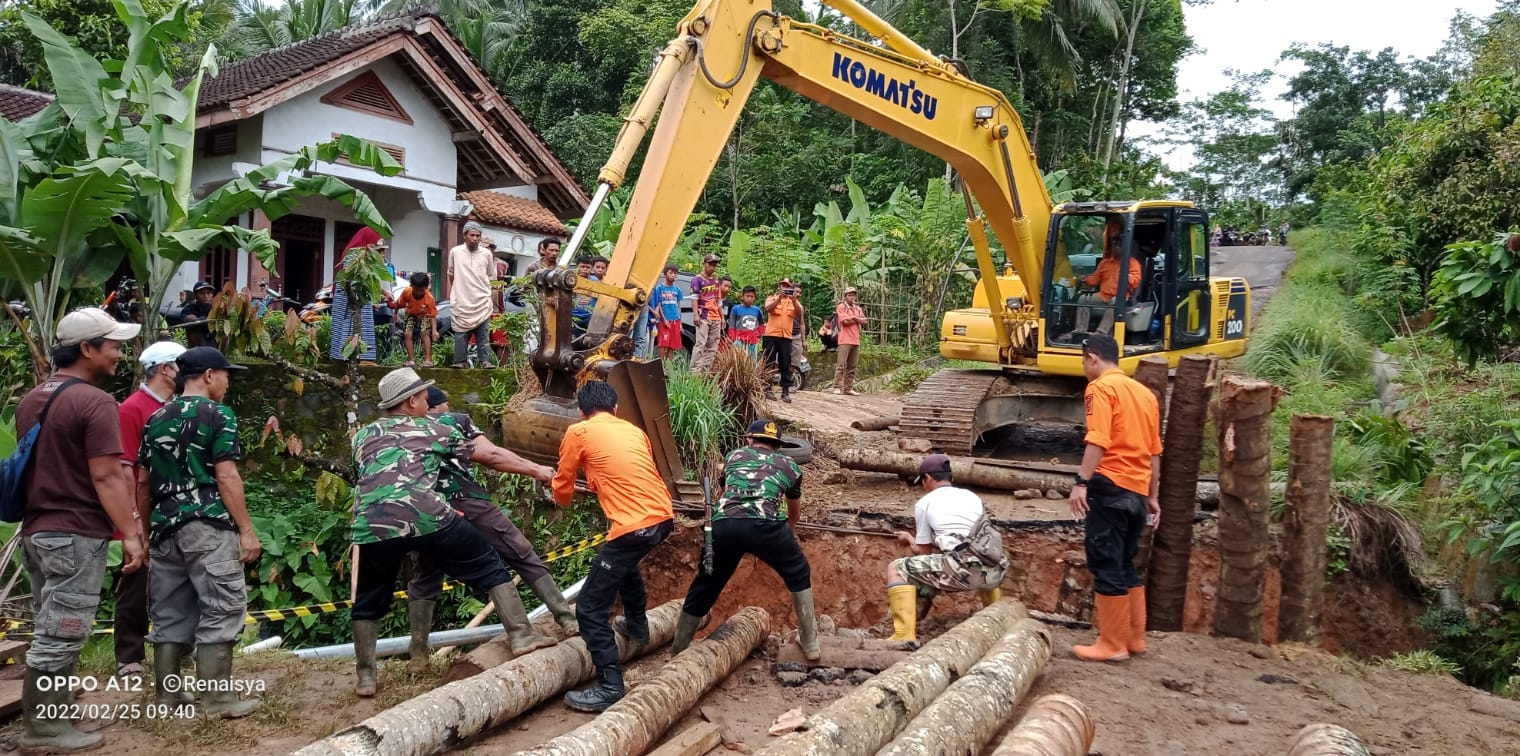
[902,599]
[1112,615]
[1137,620]
[990,596]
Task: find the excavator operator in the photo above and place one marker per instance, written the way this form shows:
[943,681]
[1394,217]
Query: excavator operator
[1106,278]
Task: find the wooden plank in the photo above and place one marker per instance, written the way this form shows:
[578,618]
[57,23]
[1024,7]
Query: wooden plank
[694,741]
[870,654]
[10,697]
[13,649]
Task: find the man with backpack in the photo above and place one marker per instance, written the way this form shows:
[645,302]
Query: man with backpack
[75,496]
[955,549]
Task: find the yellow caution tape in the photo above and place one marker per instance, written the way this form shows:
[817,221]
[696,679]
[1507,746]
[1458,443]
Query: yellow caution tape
[277,615]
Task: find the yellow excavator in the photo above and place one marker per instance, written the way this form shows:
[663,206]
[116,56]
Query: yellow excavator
[1026,321]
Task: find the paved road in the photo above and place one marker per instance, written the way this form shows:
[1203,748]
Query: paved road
[1262,267]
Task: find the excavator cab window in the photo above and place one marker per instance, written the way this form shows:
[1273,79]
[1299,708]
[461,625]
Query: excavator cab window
[1075,306]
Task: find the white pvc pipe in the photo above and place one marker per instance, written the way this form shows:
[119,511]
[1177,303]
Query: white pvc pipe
[268,644]
[444,638]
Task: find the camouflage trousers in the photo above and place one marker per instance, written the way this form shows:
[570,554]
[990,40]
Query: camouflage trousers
[947,572]
[66,572]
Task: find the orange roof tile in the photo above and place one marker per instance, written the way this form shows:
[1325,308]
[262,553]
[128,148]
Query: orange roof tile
[513,212]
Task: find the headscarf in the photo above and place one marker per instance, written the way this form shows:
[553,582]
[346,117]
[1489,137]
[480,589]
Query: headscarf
[367,237]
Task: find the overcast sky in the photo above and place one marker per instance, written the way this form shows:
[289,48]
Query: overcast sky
[1249,35]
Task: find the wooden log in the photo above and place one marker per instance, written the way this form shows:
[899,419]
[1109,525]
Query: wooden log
[493,653]
[459,710]
[972,710]
[1326,740]
[1306,523]
[633,723]
[1245,495]
[695,741]
[1005,475]
[1054,725]
[870,716]
[1152,373]
[1172,547]
[870,654]
[878,423]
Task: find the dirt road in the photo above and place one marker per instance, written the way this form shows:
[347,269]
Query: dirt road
[1261,267]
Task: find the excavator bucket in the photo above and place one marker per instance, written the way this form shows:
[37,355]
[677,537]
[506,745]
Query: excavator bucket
[534,429]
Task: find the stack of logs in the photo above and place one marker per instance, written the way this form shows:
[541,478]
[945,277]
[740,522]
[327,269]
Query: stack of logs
[1243,417]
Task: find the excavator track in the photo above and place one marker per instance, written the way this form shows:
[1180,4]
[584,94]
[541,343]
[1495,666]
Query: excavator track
[943,408]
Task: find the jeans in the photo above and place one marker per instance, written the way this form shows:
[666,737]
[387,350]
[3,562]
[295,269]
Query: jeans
[67,572]
[131,616]
[1115,518]
[615,574]
[778,352]
[641,340]
[771,541]
[198,592]
[514,548]
[458,548]
[482,334]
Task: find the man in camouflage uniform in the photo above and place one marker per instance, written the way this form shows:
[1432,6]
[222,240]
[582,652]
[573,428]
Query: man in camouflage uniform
[469,498]
[955,549]
[400,460]
[761,503]
[201,533]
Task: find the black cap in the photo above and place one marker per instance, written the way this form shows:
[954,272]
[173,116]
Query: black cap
[764,430]
[202,285]
[200,359]
[934,463]
[436,396]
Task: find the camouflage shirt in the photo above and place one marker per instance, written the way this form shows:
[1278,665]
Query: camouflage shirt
[400,460]
[456,480]
[181,446]
[757,483]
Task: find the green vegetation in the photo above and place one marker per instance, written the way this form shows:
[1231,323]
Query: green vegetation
[1422,663]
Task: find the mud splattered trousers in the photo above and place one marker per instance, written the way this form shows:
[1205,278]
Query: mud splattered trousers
[67,572]
[1115,519]
[771,541]
[615,574]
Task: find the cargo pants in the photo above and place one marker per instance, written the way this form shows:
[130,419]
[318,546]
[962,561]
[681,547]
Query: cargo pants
[67,572]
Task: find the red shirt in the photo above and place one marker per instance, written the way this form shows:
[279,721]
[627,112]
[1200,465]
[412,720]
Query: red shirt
[134,414]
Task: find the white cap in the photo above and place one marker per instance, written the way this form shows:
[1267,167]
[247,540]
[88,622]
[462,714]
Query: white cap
[89,323]
[160,353]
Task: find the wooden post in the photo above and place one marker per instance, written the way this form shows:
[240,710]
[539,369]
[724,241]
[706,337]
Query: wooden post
[1305,524]
[1245,470]
[1054,725]
[1153,373]
[1167,580]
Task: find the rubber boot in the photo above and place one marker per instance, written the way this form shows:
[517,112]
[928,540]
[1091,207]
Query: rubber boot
[366,635]
[607,691]
[1136,621]
[902,599]
[520,632]
[52,734]
[559,606]
[419,617]
[990,596]
[167,659]
[213,663]
[1112,615]
[634,630]
[807,624]
[925,603]
[686,627]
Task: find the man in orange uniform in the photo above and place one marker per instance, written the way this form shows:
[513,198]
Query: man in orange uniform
[780,310]
[620,469]
[1106,278]
[1116,492]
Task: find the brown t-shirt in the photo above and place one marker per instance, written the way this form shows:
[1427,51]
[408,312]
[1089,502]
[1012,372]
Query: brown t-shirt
[82,424]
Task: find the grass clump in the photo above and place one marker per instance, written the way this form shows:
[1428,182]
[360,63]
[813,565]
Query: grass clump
[1423,663]
[704,426]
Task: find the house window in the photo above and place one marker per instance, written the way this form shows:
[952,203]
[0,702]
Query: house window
[399,153]
[219,140]
[367,94]
[219,267]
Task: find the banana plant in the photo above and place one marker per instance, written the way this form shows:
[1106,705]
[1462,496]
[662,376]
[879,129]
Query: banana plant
[105,172]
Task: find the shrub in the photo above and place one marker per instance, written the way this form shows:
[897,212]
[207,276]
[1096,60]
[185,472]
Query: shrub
[1422,663]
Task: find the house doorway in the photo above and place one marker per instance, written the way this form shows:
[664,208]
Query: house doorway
[301,239]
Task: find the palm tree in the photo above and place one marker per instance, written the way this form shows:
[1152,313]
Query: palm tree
[263,25]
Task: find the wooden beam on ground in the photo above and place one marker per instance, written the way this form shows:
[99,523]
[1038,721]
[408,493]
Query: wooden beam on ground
[694,741]
[1054,725]
[1326,740]
[629,726]
[873,423]
[870,654]
[13,649]
[10,697]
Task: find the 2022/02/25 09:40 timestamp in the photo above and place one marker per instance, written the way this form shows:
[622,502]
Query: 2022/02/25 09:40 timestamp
[115,712]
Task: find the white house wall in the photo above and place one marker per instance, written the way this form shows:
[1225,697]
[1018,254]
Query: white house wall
[522,244]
